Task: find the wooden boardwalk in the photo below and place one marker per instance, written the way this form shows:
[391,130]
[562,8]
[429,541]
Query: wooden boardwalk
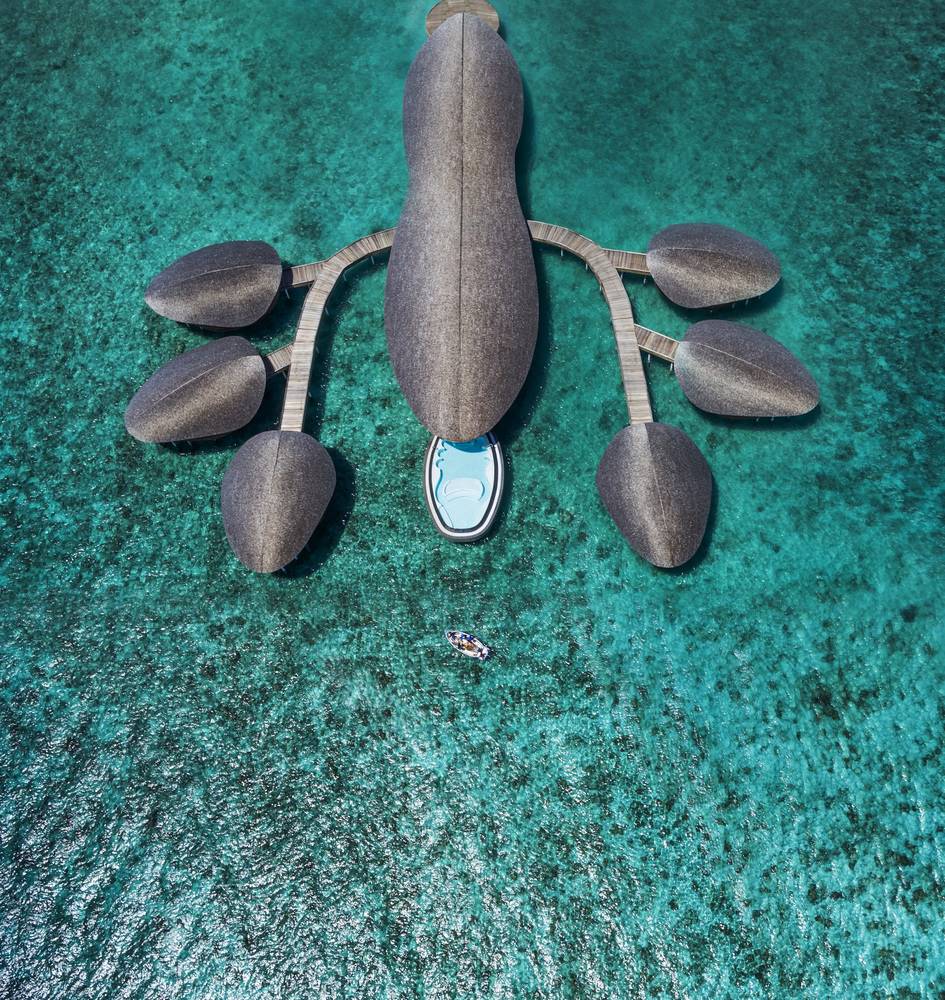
[656,343]
[278,361]
[628,261]
[621,312]
[303,348]
[323,275]
[447,8]
[304,274]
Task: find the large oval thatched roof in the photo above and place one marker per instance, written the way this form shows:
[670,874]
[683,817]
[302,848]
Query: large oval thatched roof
[461,307]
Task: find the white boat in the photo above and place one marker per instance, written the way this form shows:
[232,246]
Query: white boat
[468,644]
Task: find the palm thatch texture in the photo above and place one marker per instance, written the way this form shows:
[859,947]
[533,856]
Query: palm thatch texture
[224,286]
[274,493]
[724,368]
[461,314]
[730,369]
[734,370]
[699,265]
[461,302]
[204,393]
[657,487]
[231,285]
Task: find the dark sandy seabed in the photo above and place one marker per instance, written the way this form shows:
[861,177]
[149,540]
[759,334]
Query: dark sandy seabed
[725,781]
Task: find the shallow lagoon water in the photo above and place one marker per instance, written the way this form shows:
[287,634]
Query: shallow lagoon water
[722,781]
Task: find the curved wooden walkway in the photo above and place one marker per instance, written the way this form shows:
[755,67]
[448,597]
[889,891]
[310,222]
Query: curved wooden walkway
[621,312]
[327,273]
[323,275]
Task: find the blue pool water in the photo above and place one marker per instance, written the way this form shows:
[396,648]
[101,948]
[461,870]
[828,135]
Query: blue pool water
[463,481]
[724,781]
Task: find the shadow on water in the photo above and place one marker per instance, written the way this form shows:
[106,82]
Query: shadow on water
[332,526]
[320,376]
[272,330]
[769,424]
[270,411]
[738,312]
[706,542]
[328,534]
[520,412]
[525,153]
[275,329]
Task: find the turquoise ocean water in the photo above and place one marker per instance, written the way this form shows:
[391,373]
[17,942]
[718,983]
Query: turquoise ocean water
[725,781]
